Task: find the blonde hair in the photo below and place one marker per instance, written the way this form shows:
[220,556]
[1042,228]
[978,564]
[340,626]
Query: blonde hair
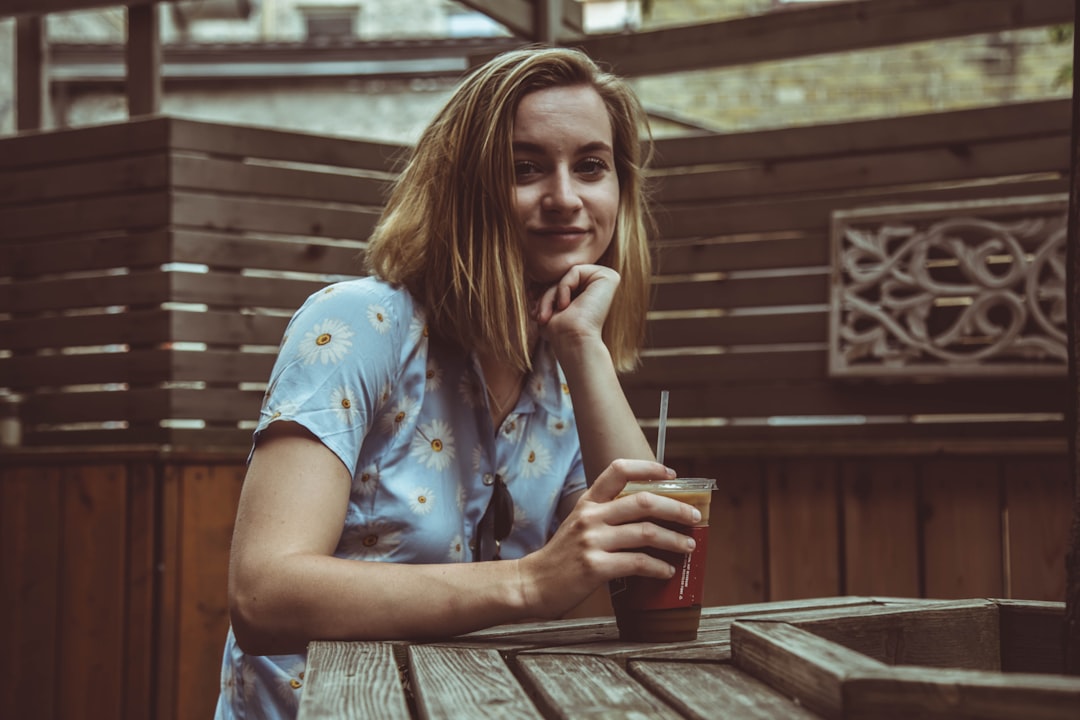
[449,233]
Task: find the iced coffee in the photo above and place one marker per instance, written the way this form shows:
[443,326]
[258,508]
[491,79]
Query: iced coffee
[654,610]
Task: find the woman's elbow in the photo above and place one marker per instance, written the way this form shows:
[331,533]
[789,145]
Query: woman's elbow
[255,625]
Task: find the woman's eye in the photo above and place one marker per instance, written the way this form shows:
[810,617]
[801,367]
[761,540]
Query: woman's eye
[592,166]
[524,168]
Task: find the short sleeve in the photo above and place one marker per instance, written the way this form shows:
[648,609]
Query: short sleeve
[342,353]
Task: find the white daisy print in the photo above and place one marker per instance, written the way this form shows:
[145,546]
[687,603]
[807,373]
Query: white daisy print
[433,445]
[512,426]
[249,682]
[372,541]
[379,318]
[433,377]
[457,550]
[539,388]
[477,457]
[275,410]
[344,405]
[521,517]
[557,426]
[470,391]
[422,500]
[384,396]
[417,328]
[398,416]
[536,460]
[368,481]
[327,342]
[288,685]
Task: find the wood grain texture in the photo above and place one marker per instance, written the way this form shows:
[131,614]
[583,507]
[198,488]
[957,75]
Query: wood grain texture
[349,680]
[803,529]
[1037,500]
[703,691]
[208,498]
[554,681]
[798,663]
[453,682]
[881,527]
[91,613]
[950,694]
[1040,117]
[141,597]
[736,552]
[962,634]
[31,535]
[962,528]
[1031,633]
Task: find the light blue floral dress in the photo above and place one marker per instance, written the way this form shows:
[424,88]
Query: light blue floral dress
[408,416]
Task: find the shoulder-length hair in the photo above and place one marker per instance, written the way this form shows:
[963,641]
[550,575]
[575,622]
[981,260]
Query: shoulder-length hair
[449,232]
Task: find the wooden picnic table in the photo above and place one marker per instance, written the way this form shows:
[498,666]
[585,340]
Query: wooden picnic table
[793,659]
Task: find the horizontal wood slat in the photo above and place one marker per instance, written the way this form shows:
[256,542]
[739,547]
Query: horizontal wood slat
[830,28]
[218,250]
[139,367]
[955,128]
[911,165]
[802,289]
[47,147]
[782,327]
[738,398]
[753,253]
[115,175]
[813,213]
[143,327]
[212,174]
[150,209]
[142,405]
[234,214]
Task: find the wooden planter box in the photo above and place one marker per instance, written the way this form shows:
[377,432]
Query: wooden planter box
[992,659]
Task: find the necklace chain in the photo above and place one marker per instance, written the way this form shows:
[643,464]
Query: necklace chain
[501,405]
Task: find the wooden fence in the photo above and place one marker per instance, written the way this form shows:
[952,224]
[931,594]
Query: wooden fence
[149,269]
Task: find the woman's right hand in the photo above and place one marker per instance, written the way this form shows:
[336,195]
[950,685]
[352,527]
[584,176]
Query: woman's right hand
[602,539]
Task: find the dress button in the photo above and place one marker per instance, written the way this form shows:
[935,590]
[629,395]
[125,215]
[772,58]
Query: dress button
[489,478]
[472,545]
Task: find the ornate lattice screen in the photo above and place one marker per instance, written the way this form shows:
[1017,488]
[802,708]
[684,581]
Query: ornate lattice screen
[950,289]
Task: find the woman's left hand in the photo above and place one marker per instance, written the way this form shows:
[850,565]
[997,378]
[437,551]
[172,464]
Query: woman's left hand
[575,308]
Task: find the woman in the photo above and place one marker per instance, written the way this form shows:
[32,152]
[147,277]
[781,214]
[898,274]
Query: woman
[461,404]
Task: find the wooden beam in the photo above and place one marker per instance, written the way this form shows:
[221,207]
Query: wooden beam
[519,16]
[43,7]
[1072,409]
[143,60]
[546,14]
[31,83]
[841,27]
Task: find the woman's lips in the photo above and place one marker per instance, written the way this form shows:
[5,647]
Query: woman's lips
[564,234]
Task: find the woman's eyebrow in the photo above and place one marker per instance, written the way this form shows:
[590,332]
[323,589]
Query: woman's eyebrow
[531,147]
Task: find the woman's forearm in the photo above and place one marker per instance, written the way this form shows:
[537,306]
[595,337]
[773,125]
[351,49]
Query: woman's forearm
[606,424]
[308,597]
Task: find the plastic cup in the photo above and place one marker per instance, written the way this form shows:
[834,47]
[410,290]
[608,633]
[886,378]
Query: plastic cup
[654,610]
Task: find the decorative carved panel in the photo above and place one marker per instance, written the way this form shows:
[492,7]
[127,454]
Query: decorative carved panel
[949,289]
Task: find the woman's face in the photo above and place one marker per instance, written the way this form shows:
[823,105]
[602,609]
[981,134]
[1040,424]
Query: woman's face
[566,190]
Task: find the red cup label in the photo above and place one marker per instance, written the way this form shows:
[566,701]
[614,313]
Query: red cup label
[682,589]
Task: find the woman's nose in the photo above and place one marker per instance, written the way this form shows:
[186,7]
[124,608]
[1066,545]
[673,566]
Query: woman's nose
[562,194]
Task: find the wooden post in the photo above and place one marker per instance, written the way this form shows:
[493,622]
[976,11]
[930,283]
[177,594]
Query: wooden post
[31,75]
[143,60]
[1072,292]
[548,21]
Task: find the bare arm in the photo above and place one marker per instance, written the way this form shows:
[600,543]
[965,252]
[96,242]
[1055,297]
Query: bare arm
[572,314]
[286,588]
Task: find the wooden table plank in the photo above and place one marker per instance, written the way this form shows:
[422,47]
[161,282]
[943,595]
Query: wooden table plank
[703,691]
[451,682]
[352,680]
[556,682]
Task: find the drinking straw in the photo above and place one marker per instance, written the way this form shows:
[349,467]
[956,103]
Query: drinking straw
[663,426]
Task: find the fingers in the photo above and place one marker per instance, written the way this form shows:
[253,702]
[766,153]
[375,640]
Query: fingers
[576,280]
[614,478]
[645,505]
